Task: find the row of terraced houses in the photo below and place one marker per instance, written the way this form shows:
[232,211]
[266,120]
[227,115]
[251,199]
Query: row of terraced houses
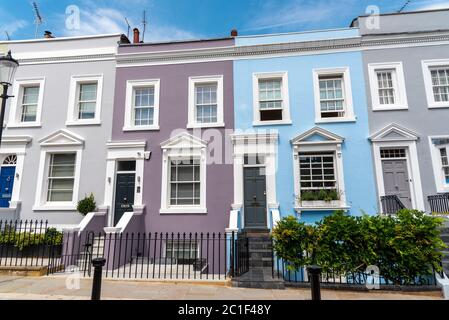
[227,134]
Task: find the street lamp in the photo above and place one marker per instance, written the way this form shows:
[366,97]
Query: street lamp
[8,67]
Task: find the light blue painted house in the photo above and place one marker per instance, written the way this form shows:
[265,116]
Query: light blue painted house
[301,143]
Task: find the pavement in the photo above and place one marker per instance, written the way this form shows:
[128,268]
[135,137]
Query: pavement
[69,288]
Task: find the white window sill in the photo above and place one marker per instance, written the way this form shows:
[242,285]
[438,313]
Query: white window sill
[205,125]
[83,123]
[69,207]
[444,189]
[25,125]
[390,108]
[183,210]
[438,106]
[140,128]
[268,123]
[331,120]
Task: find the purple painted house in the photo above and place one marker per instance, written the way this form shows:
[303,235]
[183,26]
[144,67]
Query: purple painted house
[169,163]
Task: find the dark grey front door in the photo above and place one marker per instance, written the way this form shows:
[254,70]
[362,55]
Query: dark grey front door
[255,203]
[396,180]
[124,194]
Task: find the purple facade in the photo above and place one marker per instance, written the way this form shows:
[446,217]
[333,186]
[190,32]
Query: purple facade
[173,115]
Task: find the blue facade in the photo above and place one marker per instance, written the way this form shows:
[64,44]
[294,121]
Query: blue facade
[359,178]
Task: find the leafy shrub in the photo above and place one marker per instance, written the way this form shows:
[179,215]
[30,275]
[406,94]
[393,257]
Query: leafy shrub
[404,246]
[86,205]
[22,240]
[292,240]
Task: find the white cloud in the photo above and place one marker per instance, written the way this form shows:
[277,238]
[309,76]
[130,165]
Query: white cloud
[107,20]
[431,5]
[296,12]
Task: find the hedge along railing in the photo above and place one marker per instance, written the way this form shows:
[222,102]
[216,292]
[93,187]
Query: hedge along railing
[157,255]
[29,243]
[405,249]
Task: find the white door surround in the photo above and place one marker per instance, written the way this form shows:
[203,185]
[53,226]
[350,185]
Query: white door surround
[126,150]
[15,145]
[396,136]
[264,145]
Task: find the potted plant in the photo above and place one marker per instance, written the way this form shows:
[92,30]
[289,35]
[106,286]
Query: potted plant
[87,205]
[320,198]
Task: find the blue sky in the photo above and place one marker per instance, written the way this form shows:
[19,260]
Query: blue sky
[185,19]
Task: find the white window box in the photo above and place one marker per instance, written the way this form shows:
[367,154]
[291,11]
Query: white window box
[321,204]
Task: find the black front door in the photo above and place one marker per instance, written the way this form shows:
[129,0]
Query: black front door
[255,203]
[124,194]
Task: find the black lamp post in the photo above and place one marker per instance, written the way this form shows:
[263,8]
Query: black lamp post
[8,67]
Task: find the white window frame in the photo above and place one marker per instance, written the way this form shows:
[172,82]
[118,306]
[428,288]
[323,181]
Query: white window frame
[347,94]
[129,124]
[61,141]
[182,146]
[427,65]
[286,118]
[331,144]
[193,81]
[398,86]
[441,186]
[16,104]
[72,114]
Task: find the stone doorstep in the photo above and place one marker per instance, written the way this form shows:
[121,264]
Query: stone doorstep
[24,271]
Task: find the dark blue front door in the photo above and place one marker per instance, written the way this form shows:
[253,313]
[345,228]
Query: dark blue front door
[6,184]
[124,194]
[255,205]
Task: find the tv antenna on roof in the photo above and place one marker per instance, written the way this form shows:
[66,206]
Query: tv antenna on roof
[7,35]
[405,5]
[38,18]
[129,27]
[144,22]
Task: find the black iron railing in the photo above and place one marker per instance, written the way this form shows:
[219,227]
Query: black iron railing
[158,255]
[357,278]
[29,243]
[439,203]
[391,204]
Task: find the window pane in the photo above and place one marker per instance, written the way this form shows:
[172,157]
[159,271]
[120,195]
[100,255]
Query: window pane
[88,92]
[206,102]
[331,96]
[61,177]
[30,95]
[316,172]
[87,110]
[184,182]
[270,98]
[440,84]
[144,116]
[144,97]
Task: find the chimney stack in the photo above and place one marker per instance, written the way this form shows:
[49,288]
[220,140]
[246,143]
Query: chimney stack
[136,35]
[234,33]
[48,35]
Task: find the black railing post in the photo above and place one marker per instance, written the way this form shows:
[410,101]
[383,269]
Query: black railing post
[98,264]
[314,274]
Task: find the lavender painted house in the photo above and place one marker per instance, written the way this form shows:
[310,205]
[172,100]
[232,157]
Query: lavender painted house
[167,165]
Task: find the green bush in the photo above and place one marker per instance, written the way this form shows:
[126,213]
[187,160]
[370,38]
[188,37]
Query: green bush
[322,194]
[404,246]
[22,240]
[86,205]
